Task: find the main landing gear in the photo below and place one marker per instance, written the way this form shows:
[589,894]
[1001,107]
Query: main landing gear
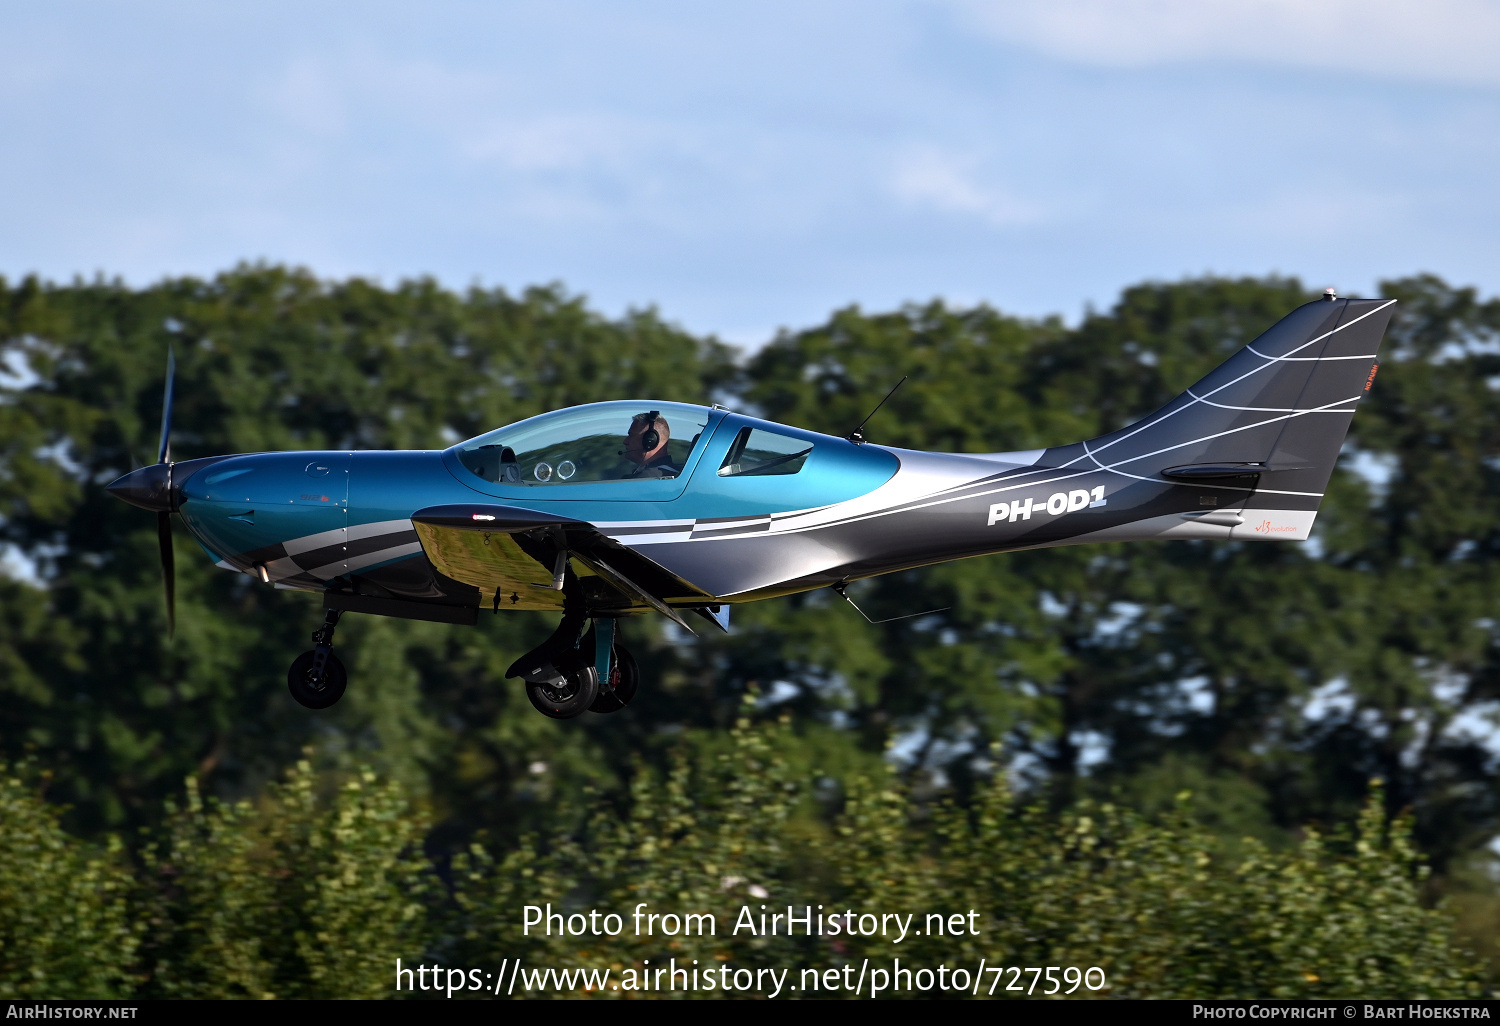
[579,669]
[317,678]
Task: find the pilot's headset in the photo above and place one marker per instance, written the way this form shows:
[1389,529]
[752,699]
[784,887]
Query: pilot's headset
[650,438]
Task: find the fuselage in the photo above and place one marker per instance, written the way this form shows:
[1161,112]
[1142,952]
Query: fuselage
[340,521]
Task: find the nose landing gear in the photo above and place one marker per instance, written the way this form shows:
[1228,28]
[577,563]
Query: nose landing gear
[317,679]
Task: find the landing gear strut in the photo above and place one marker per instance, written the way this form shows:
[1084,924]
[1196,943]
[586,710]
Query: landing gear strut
[619,677]
[317,678]
[578,669]
[624,680]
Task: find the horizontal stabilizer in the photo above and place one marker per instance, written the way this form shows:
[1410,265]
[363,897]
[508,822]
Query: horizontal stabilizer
[1228,471]
[1214,471]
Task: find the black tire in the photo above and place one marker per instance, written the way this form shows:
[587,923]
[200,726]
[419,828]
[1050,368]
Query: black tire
[313,694]
[625,680]
[568,698]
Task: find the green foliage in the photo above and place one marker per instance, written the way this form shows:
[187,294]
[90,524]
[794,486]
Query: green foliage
[1159,905]
[695,838]
[1162,906]
[1273,680]
[65,923]
[289,897]
[297,896]
[1470,891]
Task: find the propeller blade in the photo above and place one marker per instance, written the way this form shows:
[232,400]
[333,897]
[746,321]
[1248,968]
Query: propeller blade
[164,450]
[168,567]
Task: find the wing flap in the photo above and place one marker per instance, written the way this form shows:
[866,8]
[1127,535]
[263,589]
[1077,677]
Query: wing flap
[494,563]
[508,552]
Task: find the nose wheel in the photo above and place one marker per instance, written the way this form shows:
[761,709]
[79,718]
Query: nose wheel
[317,679]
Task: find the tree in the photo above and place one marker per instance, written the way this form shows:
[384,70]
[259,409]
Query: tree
[1276,679]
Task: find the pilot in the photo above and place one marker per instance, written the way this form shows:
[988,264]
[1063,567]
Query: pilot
[646,446]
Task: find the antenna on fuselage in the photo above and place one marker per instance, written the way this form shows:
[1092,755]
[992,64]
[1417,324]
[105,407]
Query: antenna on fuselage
[842,589]
[858,434]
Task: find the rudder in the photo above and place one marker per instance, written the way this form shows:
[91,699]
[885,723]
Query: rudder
[1269,422]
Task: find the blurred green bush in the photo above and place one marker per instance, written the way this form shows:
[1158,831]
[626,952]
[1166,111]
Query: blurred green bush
[288,897]
[318,887]
[67,926]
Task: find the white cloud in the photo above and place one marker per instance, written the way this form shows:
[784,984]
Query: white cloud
[1435,40]
[952,183]
[567,141]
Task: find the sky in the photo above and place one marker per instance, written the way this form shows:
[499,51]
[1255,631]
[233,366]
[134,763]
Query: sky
[747,167]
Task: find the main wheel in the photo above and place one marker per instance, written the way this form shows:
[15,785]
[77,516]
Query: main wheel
[624,679]
[316,694]
[568,697]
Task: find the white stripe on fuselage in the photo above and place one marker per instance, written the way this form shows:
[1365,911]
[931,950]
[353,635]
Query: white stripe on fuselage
[345,566]
[921,475]
[344,535]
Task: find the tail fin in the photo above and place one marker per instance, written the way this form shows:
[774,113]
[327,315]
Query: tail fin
[1269,422]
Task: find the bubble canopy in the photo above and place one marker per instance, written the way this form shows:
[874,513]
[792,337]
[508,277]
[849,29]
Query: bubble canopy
[588,444]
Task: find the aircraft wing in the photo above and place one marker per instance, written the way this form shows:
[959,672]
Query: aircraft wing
[519,558]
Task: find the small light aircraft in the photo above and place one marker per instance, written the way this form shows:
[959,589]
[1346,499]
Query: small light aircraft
[616,509]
